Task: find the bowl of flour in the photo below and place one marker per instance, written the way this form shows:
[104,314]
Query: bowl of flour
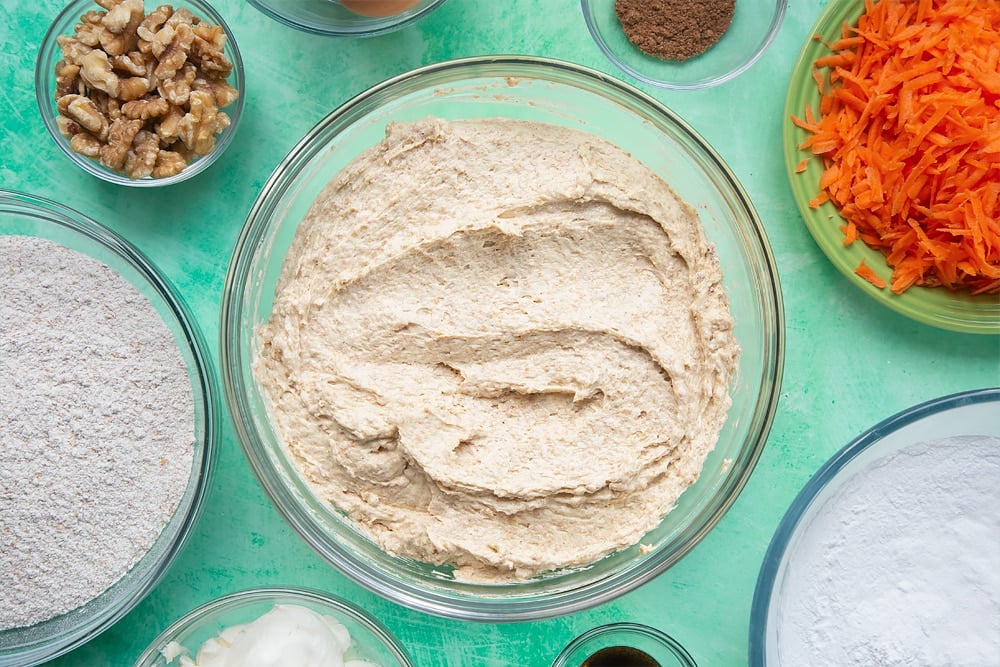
[107,430]
[889,555]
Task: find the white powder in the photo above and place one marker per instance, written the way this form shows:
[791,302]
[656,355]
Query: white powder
[901,566]
[96,428]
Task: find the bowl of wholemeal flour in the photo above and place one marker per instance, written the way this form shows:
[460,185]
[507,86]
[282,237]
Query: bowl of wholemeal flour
[107,430]
[683,44]
[889,555]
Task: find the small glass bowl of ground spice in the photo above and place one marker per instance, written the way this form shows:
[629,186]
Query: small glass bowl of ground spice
[683,44]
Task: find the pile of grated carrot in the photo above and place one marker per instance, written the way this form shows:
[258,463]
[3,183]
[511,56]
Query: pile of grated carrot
[908,129]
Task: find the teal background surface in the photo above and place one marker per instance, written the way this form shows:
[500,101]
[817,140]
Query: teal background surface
[850,361]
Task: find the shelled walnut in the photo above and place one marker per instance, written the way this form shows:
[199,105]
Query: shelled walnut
[142,92]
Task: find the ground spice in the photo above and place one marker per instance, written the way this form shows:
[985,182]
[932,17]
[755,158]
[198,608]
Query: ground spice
[674,29]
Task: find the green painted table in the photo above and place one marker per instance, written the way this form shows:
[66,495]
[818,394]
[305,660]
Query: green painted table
[850,362]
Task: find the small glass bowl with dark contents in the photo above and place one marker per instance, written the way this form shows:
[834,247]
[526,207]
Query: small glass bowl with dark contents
[624,645]
[683,44]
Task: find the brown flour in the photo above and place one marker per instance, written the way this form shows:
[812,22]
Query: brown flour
[96,431]
[674,29]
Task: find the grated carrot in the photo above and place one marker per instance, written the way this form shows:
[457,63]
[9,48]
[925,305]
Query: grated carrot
[869,274]
[850,233]
[908,130]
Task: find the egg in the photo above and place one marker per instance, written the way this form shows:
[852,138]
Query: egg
[378,8]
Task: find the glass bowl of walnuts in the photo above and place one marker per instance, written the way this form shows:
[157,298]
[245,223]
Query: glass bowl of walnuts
[140,96]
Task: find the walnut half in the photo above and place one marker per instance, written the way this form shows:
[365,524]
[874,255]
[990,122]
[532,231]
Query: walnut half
[142,92]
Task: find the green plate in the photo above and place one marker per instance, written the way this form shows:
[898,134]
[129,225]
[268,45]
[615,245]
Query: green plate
[957,311]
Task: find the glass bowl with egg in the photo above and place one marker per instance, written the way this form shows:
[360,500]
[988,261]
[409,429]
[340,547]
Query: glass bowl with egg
[266,626]
[347,18]
[678,51]
[510,429]
[124,111]
[116,501]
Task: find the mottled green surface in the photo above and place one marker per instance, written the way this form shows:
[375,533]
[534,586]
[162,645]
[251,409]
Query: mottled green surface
[850,361]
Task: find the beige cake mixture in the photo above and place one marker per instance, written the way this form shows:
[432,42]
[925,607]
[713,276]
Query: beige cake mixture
[501,345]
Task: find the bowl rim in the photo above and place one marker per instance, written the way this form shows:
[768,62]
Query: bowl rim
[460,606]
[204,378]
[368,27]
[48,55]
[266,593]
[705,82]
[771,564]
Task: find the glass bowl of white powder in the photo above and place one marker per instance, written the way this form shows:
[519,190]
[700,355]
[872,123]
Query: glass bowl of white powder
[889,555]
[498,90]
[270,626]
[107,431]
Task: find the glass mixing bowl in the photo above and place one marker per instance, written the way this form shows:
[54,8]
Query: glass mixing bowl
[24,215]
[370,640]
[540,90]
[49,54]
